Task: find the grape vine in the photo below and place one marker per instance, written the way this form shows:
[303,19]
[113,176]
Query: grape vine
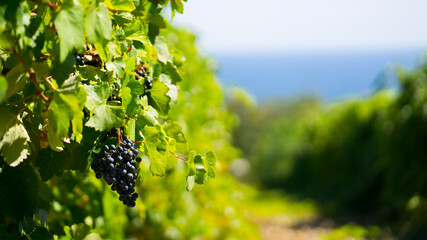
[71,72]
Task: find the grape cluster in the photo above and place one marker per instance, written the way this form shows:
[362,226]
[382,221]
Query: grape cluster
[143,73]
[80,60]
[117,167]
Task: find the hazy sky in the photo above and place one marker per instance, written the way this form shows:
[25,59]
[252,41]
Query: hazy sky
[308,25]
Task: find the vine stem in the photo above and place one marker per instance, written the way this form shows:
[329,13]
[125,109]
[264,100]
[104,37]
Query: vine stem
[36,85]
[50,83]
[52,5]
[21,100]
[25,107]
[32,76]
[119,136]
[181,157]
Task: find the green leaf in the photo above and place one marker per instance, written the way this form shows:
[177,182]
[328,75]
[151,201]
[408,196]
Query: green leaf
[97,95]
[106,117]
[41,233]
[103,116]
[7,120]
[147,117]
[77,120]
[171,160]
[200,168]
[98,24]
[16,79]
[151,143]
[67,106]
[139,36]
[173,89]
[55,142]
[136,87]
[177,6]
[134,104]
[190,182]
[14,145]
[77,231]
[210,158]
[174,130]
[125,5]
[101,51]
[61,113]
[3,88]
[69,24]
[19,186]
[49,164]
[126,97]
[172,70]
[162,50]
[117,66]
[74,157]
[158,98]
[62,69]
[130,129]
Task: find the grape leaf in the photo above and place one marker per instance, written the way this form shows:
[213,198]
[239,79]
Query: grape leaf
[162,50]
[19,186]
[130,129]
[106,117]
[147,117]
[190,182]
[133,106]
[7,120]
[67,106]
[97,95]
[77,120]
[136,87]
[76,156]
[69,24]
[3,88]
[14,145]
[117,66]
[50,163]
[173,89]
[77,231]
[61,112]
[98,24]
[171,160]
[200,168]
[55,142]
[125,5]
[62,68]
[103,116]
[178,6]
[151,143]
[41,233]
[172,70]
[210,158]
[174,130]
[16,79]
[126,97]
[158,98]
[139,36]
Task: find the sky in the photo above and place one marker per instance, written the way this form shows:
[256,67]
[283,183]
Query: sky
[306,25]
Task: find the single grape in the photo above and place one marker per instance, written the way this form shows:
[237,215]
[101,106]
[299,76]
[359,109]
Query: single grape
[148,84]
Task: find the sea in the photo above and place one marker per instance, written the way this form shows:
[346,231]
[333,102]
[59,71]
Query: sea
[331,76]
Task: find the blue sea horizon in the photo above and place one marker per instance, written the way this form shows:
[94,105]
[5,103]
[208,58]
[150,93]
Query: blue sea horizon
[331,76]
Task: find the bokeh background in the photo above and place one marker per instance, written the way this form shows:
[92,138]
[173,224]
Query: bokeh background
[331,103]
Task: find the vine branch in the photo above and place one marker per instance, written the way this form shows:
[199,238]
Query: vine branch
[181,157]
[49,4]
[36,85]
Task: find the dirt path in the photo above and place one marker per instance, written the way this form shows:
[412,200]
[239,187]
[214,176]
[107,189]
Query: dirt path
[294,228]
